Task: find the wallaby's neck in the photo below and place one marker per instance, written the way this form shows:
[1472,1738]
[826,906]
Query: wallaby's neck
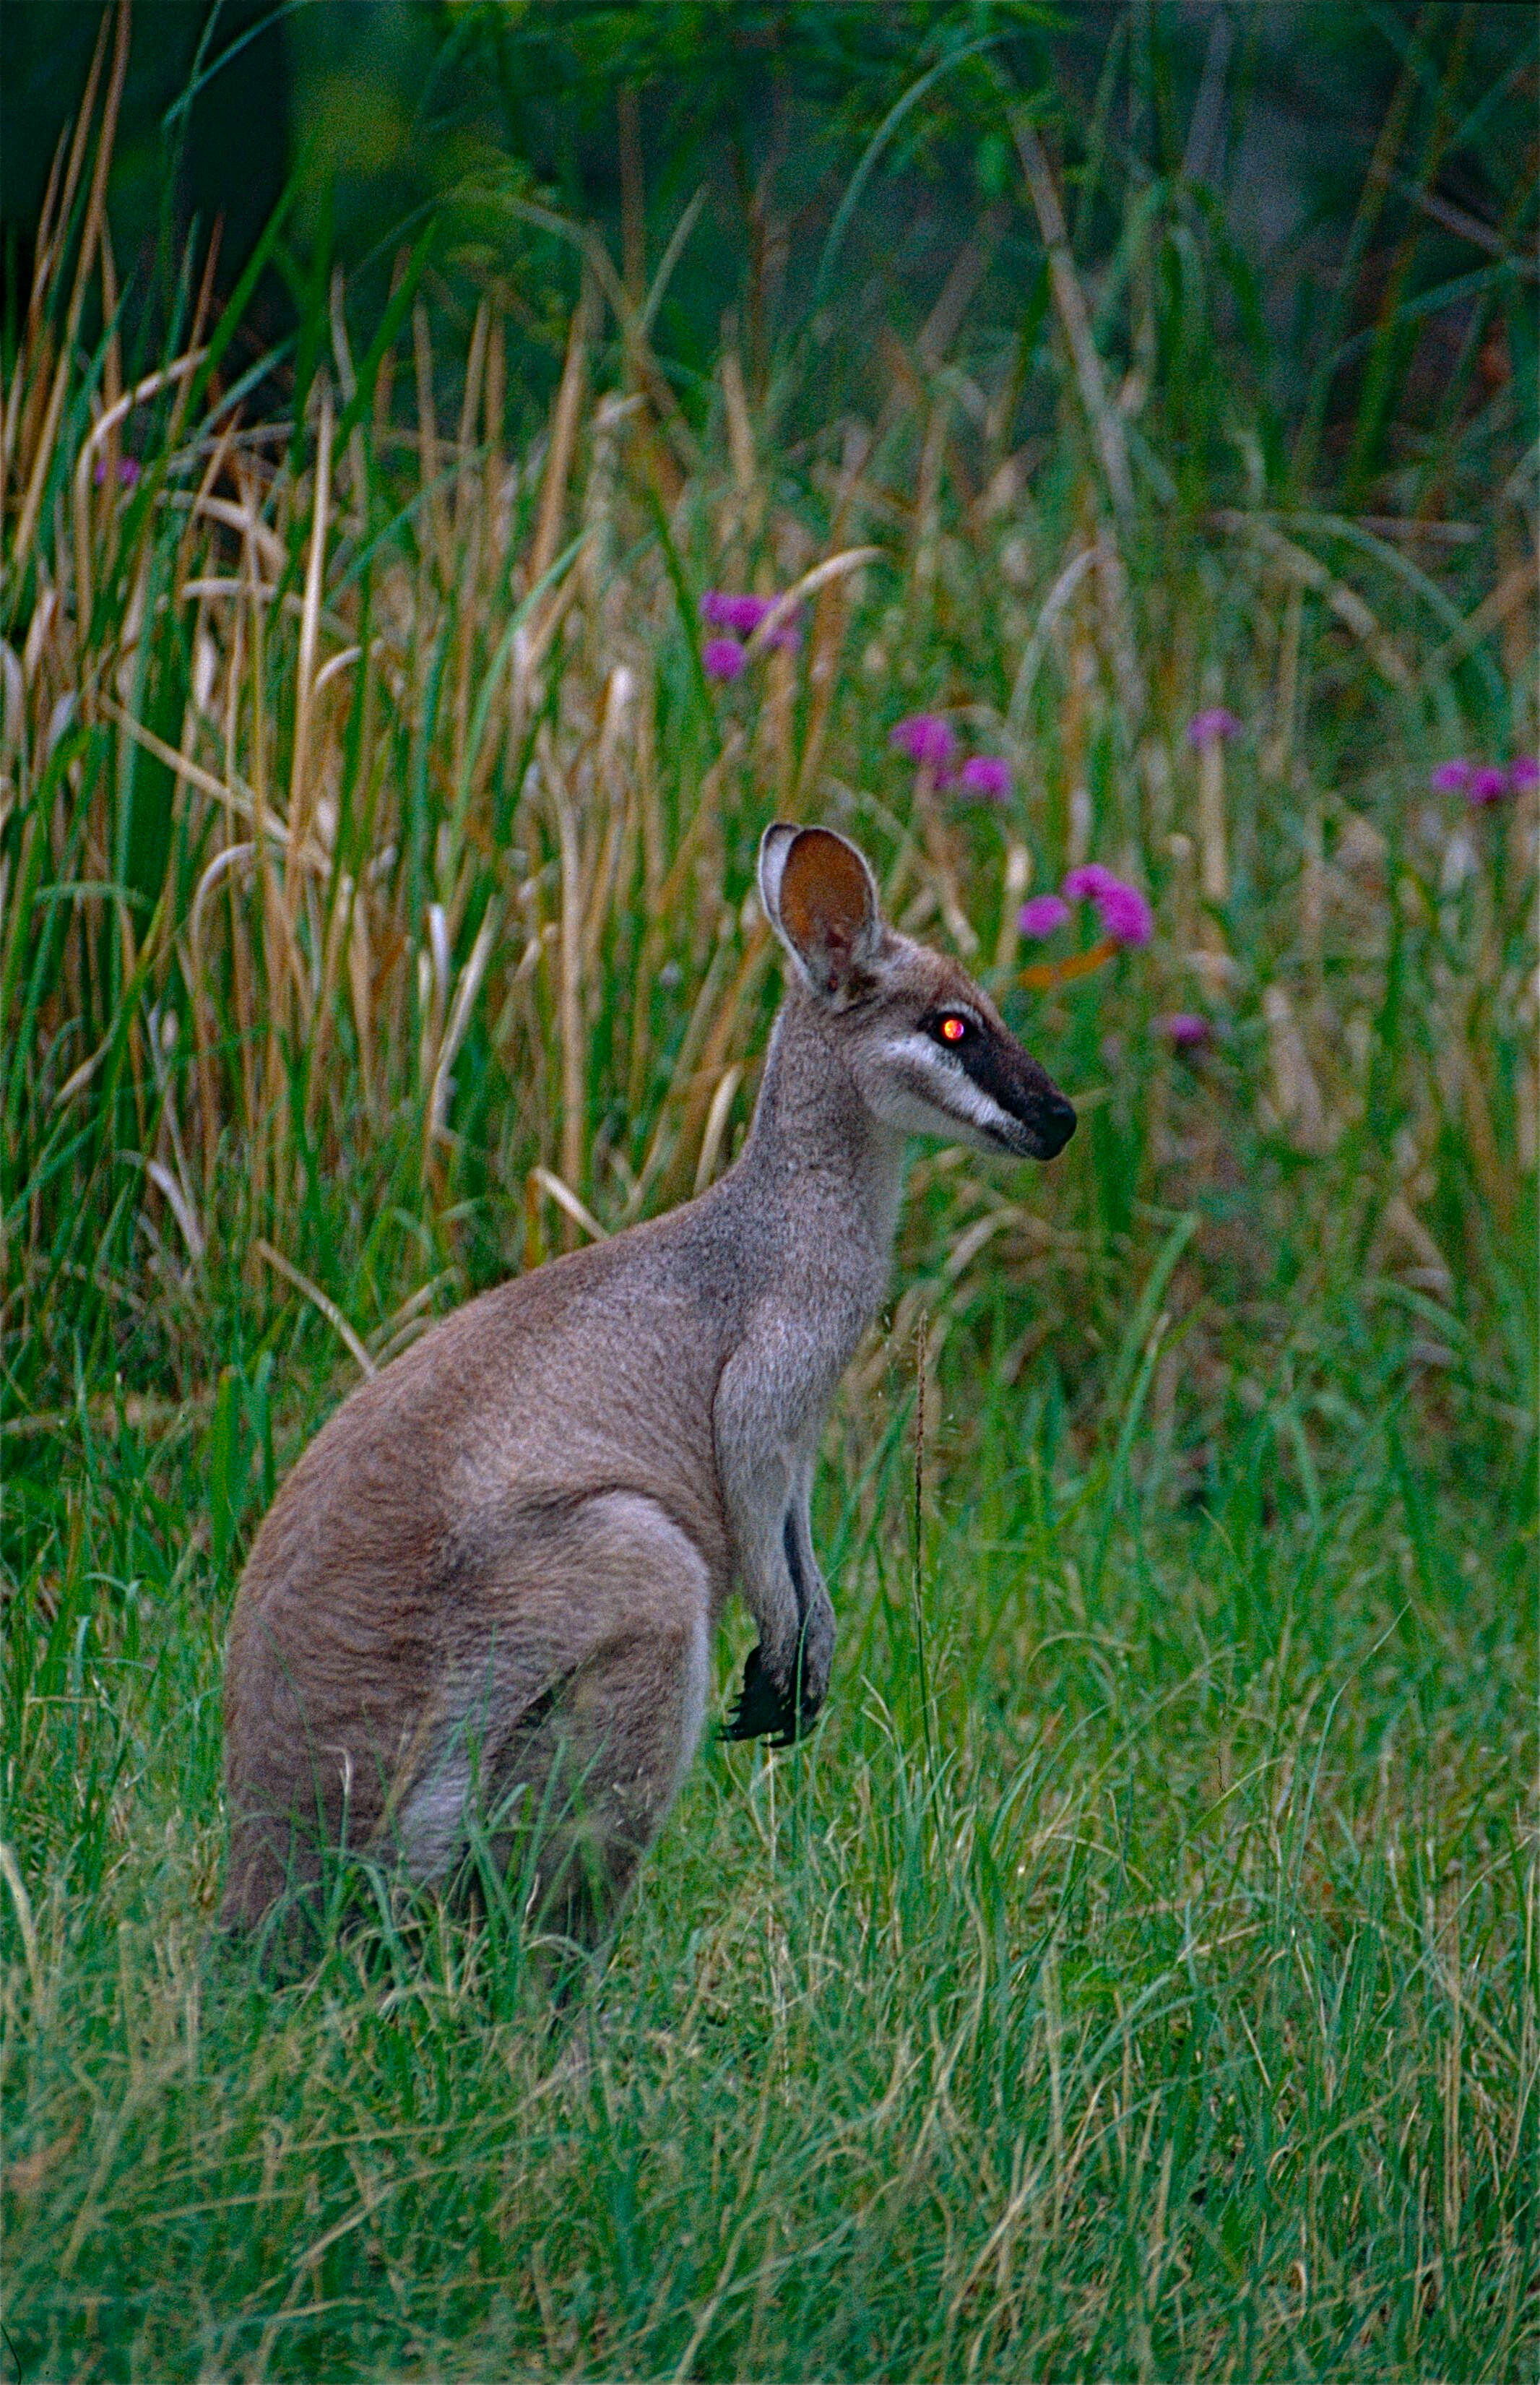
[814,1145]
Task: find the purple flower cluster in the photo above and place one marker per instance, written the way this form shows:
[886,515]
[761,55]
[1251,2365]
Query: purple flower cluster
[987,775]
[1187,1028]
[1212,726]
[722,658]
[127,471]
[1482,782]
[1042,916]
[738,616]
[1126,918]
[1123,912]
[930,742]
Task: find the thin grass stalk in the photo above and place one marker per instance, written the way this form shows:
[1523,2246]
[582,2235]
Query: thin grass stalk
[1376,190]
[683,1101]
[710,1071]
[51,216]
[271,945]
[437,543]
[1212,838]
[633,213]
[347,381]
[569,981]
[494,403]
[1074,733]
[100,442]
[301,800]
[53,236]
[561,440]
[615,809]
[745,520]
[1388,330]
[1069,299]
[468,491]
[90,237]
[342,906]
[922,1662]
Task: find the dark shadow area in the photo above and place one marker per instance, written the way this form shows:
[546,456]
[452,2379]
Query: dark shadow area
[839,177]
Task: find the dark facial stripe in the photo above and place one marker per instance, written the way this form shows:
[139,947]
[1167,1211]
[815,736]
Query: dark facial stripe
[990,1070]
[1013,1079]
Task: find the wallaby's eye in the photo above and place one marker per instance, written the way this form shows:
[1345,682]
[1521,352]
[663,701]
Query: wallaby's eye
[953,1029]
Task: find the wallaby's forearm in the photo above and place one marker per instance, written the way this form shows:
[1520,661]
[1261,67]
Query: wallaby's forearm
[764,1453]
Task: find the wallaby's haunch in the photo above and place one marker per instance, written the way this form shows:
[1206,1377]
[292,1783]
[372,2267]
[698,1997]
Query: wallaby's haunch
[501,1560]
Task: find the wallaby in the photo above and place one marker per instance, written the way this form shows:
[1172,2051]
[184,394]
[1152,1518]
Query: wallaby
[499,1566]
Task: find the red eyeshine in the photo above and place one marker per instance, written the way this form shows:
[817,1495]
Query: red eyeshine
[953,1029]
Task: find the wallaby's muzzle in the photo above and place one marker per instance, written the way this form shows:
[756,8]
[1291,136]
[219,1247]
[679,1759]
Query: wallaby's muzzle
[1051,1124]
[1037,1120]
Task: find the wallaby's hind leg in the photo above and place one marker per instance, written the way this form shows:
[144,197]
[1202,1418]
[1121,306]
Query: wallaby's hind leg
[617,1604]
[602,1773]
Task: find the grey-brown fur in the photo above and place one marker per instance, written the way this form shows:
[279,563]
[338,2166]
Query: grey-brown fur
[499,1563]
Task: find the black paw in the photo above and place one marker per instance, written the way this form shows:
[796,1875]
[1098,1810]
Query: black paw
[769,1709]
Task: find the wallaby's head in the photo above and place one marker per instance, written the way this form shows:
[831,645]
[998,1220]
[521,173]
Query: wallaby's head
[928,1049]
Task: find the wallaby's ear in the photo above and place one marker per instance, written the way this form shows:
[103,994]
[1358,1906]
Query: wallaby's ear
[821,898]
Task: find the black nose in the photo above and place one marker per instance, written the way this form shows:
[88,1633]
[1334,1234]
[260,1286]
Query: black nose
[1055,1123]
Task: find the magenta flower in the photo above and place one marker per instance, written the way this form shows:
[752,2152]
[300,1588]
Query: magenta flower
[722,658]
[1204,728]
[1186,1028]
[1126,915]
[1126,918]
[927,739]
[1483,782]
[1088,884]
[1042,915]
[987,776]
[743,614]
[127,471]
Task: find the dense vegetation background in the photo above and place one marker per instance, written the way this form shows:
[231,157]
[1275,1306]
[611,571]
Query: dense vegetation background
[1138,1973]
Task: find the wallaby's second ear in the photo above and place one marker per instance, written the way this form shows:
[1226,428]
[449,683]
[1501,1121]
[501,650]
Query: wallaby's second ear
[821,898]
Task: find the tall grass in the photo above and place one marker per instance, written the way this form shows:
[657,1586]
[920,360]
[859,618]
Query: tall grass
[1145,1983]
[378,852]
